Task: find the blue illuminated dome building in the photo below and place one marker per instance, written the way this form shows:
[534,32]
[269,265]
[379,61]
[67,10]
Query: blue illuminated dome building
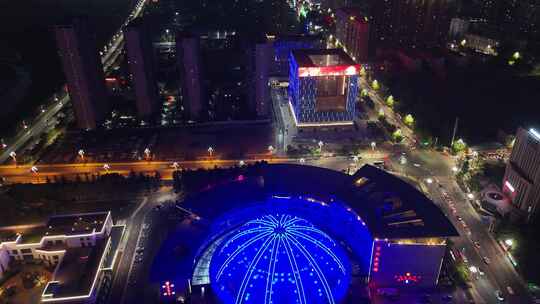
[279,258]
[300,234]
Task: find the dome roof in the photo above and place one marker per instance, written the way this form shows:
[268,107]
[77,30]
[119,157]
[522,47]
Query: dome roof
[279,258]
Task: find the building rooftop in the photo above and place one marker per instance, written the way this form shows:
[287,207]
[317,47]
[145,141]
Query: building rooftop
[76,272]
[354,14]
[57,225]
[76,223]
[389,206]
[298,38]
[322,58]
[392,208]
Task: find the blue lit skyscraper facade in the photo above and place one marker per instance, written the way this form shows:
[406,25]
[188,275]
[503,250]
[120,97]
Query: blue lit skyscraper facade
[323,87]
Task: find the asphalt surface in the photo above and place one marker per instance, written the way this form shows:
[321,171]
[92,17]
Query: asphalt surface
[499,273]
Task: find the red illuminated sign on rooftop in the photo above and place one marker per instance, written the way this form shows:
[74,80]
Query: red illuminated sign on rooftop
[340,70]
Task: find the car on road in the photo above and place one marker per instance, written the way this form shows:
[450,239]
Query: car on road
[486,260]
[499,295]
[447,298]
[387,292]
[510,290]
[459,218]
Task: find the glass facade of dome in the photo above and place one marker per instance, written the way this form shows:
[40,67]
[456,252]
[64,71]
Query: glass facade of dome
[279,258]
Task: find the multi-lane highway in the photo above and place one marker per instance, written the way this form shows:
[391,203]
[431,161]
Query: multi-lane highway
[475,242]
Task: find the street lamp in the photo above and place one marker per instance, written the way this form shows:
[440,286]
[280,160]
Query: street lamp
[509,242]
[106,167]
[429,180]
[210,151]
[175,165]
[34,170]
[13,155]
[271,149]
[321,144]
[470,195]
[355,159]
[402,160]
[302,160]
[241,163]
[81,154]
[373,145]
[147,153]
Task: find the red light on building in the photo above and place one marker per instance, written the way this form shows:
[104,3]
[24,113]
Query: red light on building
[341,70]
[168,289]
[376,259]
[407,278]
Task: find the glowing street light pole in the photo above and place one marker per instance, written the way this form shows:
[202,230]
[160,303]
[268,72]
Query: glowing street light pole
[81,154]
[321,144]
[13,156]
[210,151]
[175,165]
[147,153]
[270,149]
[106,167]
[35,170]
[373,145]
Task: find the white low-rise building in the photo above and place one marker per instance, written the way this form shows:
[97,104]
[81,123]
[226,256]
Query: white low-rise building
[81,248]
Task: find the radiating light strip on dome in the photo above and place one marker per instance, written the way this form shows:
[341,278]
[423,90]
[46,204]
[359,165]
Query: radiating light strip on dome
[277,239]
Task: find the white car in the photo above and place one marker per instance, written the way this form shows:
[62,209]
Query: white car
[499,295]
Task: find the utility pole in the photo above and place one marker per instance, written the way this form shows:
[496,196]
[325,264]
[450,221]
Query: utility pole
[454,133]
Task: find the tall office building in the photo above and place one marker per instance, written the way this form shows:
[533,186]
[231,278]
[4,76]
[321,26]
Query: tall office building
[410,23]
[189,65]
[458,28]
[323,86]
[84,72]
[352,31]
[142,68]
[489,10]
[522,176]
[283,46]
[259,70]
